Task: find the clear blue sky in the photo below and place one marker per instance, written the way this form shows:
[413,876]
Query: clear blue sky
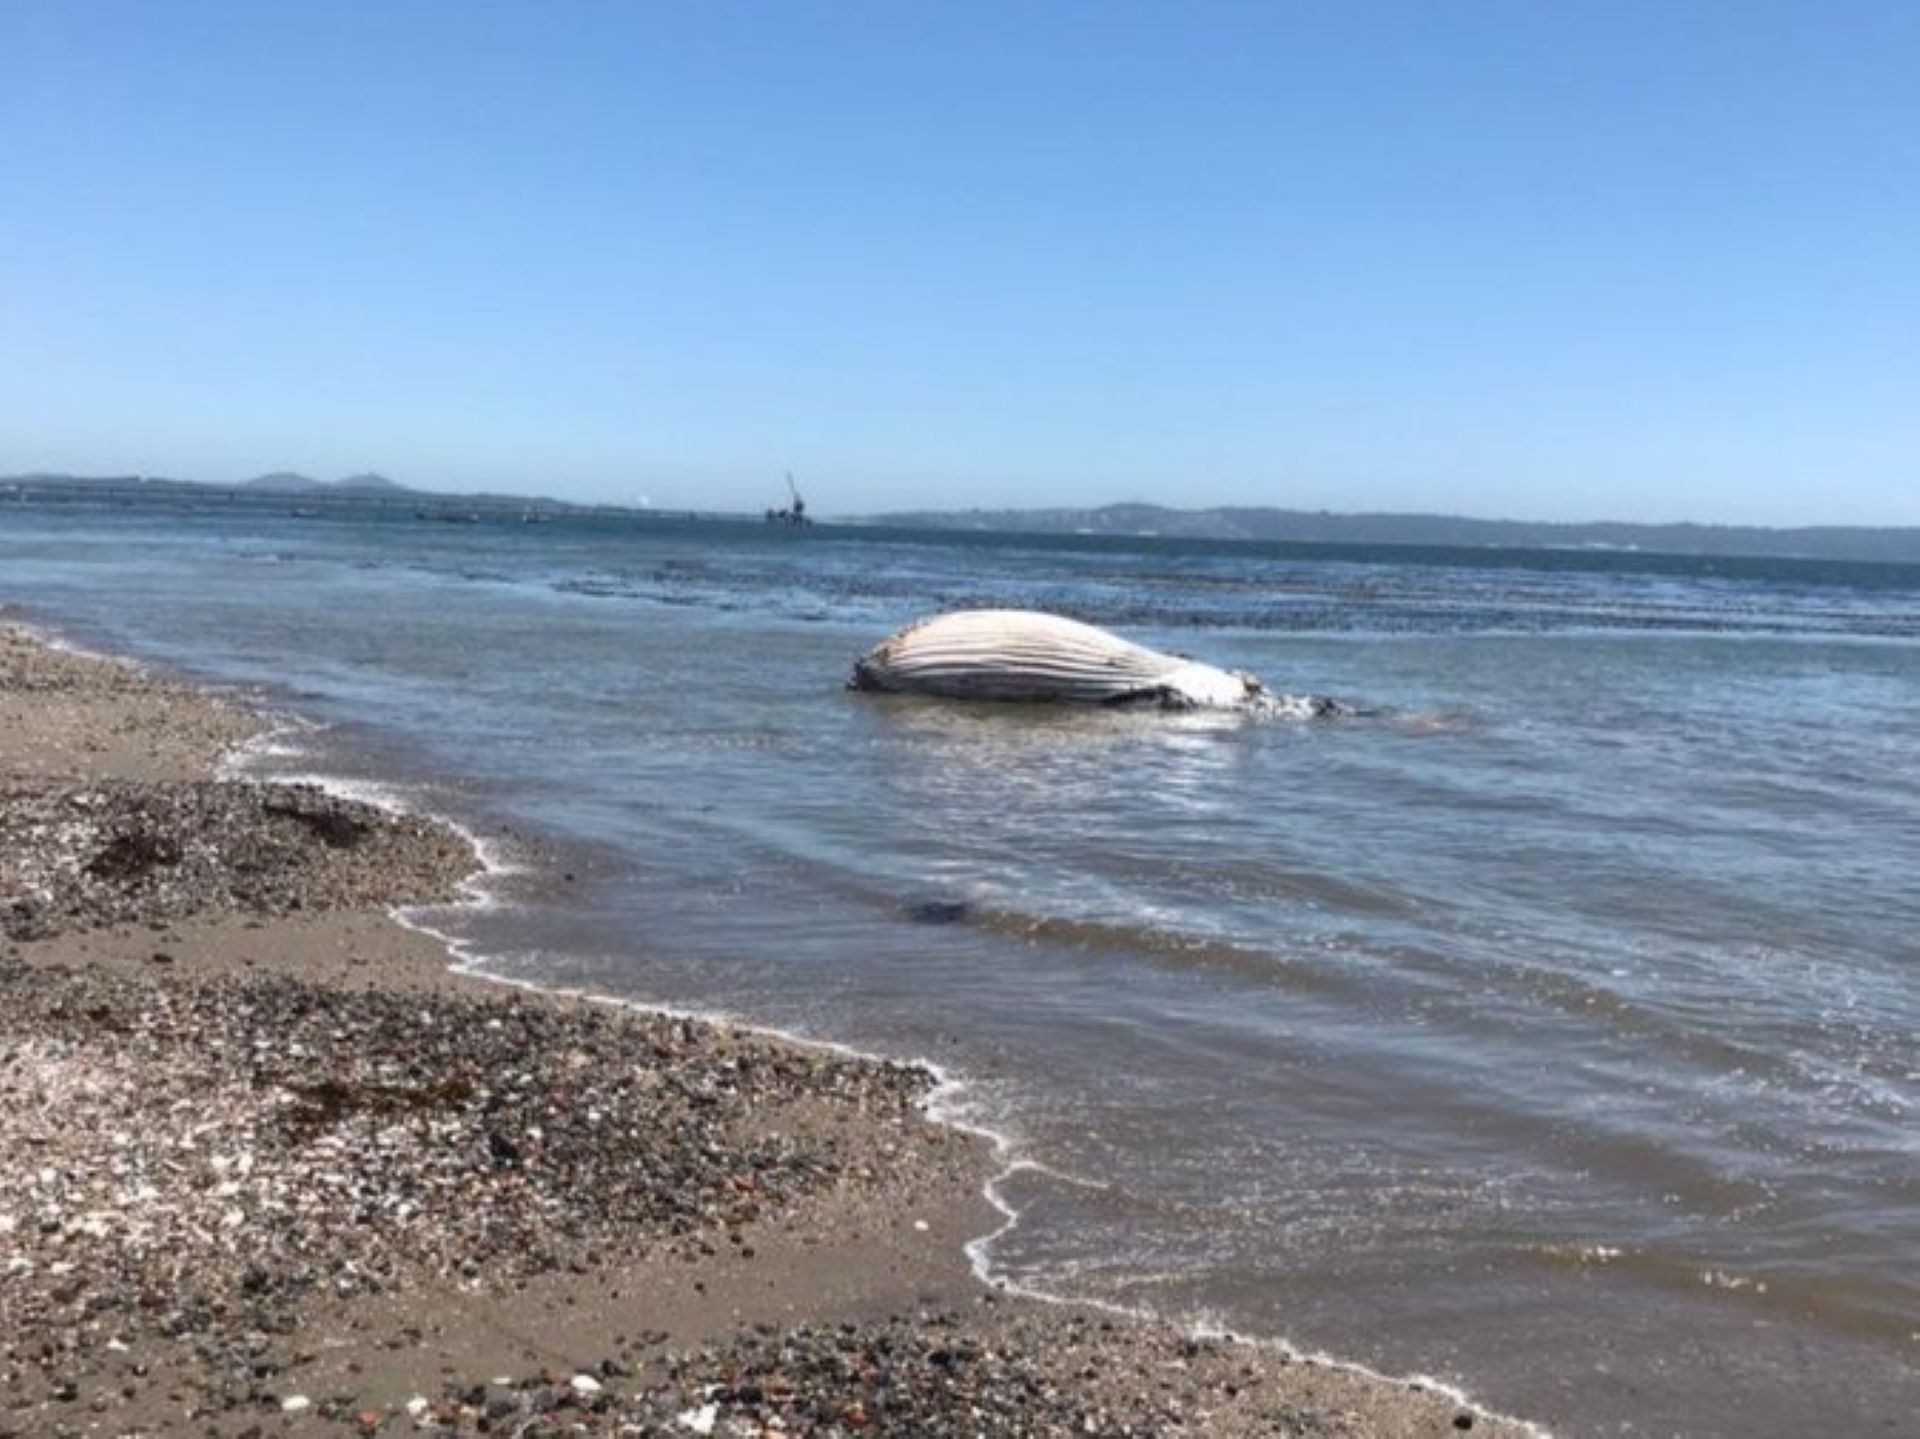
[1540,259]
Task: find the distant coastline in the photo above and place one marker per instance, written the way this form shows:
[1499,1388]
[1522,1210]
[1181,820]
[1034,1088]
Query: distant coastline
[284,492]
[1280,526]
[1249,524]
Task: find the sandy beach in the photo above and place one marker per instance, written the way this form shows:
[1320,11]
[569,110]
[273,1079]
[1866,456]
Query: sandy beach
[270,1166]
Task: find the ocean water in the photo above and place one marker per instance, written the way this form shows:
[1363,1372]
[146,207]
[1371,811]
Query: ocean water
[1551,1028]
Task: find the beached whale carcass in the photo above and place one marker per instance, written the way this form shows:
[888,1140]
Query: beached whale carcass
[1030,655]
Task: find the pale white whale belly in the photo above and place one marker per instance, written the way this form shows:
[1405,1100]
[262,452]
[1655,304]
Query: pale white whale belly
[1028,655]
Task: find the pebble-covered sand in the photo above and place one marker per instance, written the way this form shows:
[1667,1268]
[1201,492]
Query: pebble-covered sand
[125,851]
[201,1156]
[72,716]
[940,1374]
[244,1193]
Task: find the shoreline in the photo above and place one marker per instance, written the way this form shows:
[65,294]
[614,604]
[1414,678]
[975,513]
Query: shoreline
[885,1261]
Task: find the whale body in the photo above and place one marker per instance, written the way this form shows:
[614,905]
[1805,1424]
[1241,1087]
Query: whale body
[1032,656]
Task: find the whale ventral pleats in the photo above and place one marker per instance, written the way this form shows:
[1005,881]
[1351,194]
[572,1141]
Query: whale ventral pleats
[1031,656]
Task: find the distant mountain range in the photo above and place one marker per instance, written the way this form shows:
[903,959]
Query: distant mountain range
[1840,542]
[280,482]
[278,488]
[1273,526]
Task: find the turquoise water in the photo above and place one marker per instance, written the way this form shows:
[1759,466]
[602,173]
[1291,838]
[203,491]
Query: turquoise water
[1551,1029]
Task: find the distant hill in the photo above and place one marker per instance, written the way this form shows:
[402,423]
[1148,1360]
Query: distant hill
[283,491]
[282,482]
[373,484]
[285,482]
[1323,527]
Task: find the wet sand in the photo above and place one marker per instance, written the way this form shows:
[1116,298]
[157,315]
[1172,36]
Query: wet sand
[270,1166]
